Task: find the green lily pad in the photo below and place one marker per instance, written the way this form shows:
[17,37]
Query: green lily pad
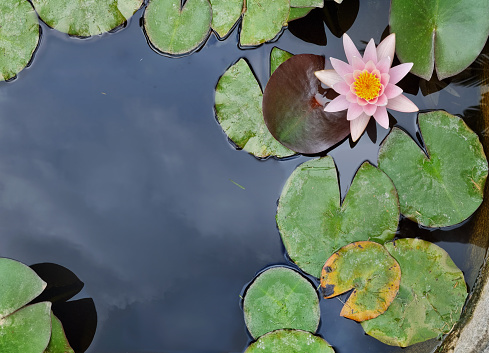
[174,30]
[19,36]
[306,3]
[368,269]
[298,12]
[277,57]
[430,299]
[446,35]
[85,18]
[289,341]
[27,330]
[239,111]
[281,298]
[263,20]
[314,224]
[58,342]
[444,188]
[225,13]
[20,285]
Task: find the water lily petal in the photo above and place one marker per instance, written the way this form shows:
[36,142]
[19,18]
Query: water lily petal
[354,111]
[384,65]
[392,91]
[370,66]
[382,117]
[328,77]
[341,67]
[382,101]
[373,100]
[386,48]
[358,63]
[351,97]
[369,109]
[349,79]
[385,78]
[342,88]
[358,125]
[370,53]
[337,104]
[399,71]
[402,104]
[361,101]
[350,48]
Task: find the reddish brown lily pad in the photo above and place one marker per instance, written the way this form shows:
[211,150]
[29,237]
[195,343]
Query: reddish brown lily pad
[368,269]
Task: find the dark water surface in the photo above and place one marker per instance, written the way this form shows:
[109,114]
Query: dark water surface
[112,164]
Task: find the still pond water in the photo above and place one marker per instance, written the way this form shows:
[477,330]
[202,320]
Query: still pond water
[112,164]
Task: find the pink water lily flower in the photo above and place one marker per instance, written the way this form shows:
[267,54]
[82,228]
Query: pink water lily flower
[367,85]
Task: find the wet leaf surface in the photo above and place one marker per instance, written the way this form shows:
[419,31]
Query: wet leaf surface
[58,342]
[85,18]
[238,104]
[19,36]
[277,57]
[263,20]
[174,30]
[27,330]
[225,13]
[289,341]
[430,299]
[446,35]
[368,269]
[292,111]
[281,298]
[444,188]
[312,222]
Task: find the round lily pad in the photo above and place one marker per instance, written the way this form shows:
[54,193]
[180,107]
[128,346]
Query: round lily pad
[368,269]
[447,35]
[277,57]
[174,30]
[314,223]
[239,111]
[19,36]
[293,107]
[445,186]
[27,330]
[289,341]
[225,13]
[281,298]
[430,299]
[263,20]
[58,342]
[85,18]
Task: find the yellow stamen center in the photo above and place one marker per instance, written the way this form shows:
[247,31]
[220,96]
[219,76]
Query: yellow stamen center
[367,85]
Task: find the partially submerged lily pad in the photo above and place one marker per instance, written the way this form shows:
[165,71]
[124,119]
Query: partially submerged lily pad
[280,298]
[225,13]
[239,111]
[314,224]
[444,188]
[368,269]
[263,20]
[174,30]
[289,341]
[85,18]
[277,57]
[430,299]
[58,342]
[19,36]
[446,35]
[293,109]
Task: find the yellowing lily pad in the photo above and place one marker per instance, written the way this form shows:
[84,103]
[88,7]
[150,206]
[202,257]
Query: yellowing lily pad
[58,342]
[280,298]
[289,341]
[225,13]
[85,18]
[263,20]
[368,269]
[277,57]
[174,30]
[19,36]
[239,111]
[445,186]
[446,35]
[314,223]
[430,299]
